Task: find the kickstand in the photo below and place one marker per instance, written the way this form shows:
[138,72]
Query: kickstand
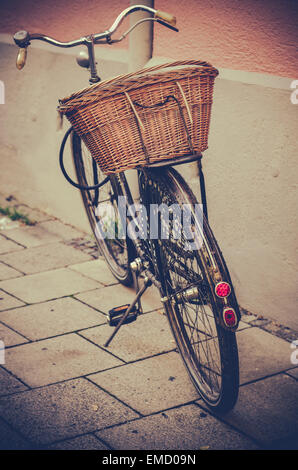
[137,288]
[147,283]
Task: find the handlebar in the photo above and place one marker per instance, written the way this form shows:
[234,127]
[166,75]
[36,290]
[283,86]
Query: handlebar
[23,38]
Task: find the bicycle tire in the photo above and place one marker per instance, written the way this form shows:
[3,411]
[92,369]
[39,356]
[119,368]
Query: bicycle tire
[115,250]
[197,327]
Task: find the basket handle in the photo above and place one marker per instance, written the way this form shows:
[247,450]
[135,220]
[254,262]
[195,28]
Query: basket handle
[185,101]
[137,114]
[134,111]
[140,124]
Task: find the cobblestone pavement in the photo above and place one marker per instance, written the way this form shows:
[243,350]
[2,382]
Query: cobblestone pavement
[60,388]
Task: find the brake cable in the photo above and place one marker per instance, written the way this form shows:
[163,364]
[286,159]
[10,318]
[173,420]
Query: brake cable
[65,174]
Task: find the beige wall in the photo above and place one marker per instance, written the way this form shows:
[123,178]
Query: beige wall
[251,170]
[250,167]
[251,179]
[30,141]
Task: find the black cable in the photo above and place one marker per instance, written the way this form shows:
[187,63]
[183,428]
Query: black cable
[76,185]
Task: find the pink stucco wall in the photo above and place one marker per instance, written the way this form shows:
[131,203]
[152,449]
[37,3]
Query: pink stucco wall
[62,19]
[253,35]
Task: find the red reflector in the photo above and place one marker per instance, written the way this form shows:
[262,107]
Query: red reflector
[223,289]
[229,317]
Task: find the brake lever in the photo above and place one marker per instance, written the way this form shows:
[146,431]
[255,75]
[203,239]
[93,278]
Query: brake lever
[109,40]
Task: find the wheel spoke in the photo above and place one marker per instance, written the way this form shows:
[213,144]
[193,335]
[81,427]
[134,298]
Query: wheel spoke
[194,321]
[102,201]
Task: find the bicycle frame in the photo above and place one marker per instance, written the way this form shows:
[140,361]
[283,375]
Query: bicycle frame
[188,277]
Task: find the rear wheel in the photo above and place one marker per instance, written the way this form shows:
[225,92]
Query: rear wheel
[189,275]
[101,207]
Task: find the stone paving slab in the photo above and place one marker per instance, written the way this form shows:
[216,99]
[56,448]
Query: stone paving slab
[11,440]
[242,326]
[151,385]
[7,272]
[186,427]
[7,246]
[112,296]
[64,232]
[8,301]
[10,337]
[293,373]
[87,244]
[246,316]
[97,270]
[261,354]
[280,331]
[7,224]
[34,215]
[9,384]
[62,411]
[44,258]
[7,200]
[86,442]
[31,236]
[47,319]
[267,410]
[56,359]
[152,297]
[149,335]
[48,285]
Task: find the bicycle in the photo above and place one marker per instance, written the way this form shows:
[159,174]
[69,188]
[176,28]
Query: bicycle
[195,286]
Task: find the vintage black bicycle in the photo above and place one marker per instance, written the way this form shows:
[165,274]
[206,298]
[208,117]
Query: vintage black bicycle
[183,259]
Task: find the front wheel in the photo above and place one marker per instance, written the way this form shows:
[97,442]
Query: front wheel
[101,206]
[189,276]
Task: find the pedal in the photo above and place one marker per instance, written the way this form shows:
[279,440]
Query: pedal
[115,315]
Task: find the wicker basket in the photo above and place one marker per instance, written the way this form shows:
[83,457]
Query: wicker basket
[155,114]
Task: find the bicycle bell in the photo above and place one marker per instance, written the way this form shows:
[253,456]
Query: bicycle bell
[83,59]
